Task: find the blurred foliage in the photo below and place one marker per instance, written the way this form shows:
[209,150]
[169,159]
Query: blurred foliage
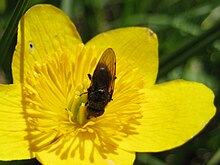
[189,41]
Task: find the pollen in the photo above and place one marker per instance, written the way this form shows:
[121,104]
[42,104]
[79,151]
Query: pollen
[56,97]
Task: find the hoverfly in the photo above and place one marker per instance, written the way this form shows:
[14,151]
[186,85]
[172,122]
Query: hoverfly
[102,84]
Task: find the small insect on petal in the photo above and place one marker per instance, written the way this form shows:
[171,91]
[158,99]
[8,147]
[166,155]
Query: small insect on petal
[31,45]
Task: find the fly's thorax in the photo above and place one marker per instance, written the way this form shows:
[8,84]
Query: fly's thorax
[99,95]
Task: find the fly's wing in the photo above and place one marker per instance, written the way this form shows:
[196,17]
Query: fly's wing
[105,71]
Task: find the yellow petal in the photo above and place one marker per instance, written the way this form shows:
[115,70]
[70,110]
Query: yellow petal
[43,30]
[13,126]
[85,154]
[135,45]
[174,112]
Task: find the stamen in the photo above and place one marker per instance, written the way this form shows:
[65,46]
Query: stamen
[82,115]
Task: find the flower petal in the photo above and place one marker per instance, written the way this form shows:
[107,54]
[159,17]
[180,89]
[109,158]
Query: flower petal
[173,113]
[43,30]
[135,45]
[88,155]
[13,126]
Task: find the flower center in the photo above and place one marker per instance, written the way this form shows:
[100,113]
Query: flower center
[56,97]
[58,87]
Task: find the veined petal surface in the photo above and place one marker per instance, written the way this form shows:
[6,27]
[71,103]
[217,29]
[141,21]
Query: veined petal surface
[13,125]
[173,113]
[43,30]
[90,156]
[135,45]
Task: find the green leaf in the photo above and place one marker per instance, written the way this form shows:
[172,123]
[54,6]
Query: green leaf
[179,56]
[9,34]
[149,159]
[215,160]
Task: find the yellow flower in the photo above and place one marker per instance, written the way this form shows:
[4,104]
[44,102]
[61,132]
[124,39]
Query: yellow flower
[44,115]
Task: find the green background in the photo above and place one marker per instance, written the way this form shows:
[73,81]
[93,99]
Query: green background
[189,48]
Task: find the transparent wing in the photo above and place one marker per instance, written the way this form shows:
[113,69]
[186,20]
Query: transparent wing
[107,62]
